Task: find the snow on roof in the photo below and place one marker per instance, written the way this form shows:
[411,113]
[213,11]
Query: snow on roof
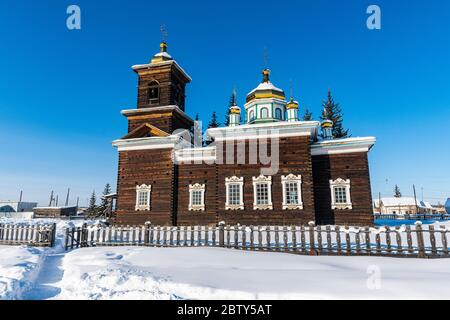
[265,86]
[403,201]
[163,54]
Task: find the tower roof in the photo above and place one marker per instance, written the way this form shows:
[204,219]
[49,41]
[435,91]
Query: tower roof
[162,55]
[266,89]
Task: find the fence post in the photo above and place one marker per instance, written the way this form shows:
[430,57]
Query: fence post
[66,243]
[84,235]
[221,234]
[312,250]
[420,240]
[146,233]
[52,241]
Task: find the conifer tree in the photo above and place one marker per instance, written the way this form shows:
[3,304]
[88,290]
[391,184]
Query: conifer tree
[233,102]
[106,191]
[308,116]
[397,192]
[332,111]
[213,123]
[92,209]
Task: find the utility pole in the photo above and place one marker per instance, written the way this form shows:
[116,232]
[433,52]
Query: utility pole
[57,200]
[379,201]
[67,198]
[51,199]
[415,199]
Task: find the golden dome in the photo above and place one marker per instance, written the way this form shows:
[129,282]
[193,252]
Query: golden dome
[266,89]
[292,104]
[162,55]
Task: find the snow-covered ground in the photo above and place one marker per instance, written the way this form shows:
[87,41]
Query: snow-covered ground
[212,273]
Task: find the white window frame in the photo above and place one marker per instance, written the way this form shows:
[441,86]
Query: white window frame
[262,180]
[340,183]
[197,187]
[143,188]
[234,181]
[291,178]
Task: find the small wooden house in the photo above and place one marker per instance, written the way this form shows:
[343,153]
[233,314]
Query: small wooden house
[54,212]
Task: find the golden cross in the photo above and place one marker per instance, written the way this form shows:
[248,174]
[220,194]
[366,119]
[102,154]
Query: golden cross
[163,32]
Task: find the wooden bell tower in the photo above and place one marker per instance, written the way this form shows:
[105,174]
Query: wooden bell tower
[161,94]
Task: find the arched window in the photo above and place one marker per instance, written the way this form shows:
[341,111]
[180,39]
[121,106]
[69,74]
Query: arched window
[251,116]
[264,113]
[278,114]
[153,92]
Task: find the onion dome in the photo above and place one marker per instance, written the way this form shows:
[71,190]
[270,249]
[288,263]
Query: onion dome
[163,55]
[327,124]
[235,110]
[327,129]
[292,104]
[266,89]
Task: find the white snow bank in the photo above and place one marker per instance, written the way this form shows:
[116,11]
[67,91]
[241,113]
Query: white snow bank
[18,268]
[213,273]
[21,265]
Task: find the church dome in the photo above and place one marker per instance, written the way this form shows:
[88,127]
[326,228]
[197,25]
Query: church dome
[266,89]
[163,55]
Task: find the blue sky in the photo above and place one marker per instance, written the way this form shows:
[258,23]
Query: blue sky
[61,91]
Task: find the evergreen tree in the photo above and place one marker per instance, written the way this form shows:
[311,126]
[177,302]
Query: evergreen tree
[106,191]
[397,192]
[213,123]
[308,116]
[332,111]
[233,102]
[92,209]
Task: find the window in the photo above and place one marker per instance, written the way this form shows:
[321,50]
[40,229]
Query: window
[264,113]
[197,197]
[234,193]
[153,92]
[340,194]
[262,188]
[143,197]
[251,116]
[292,192]
[278,114]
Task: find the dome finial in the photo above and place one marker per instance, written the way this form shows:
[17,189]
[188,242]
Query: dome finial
[266,75]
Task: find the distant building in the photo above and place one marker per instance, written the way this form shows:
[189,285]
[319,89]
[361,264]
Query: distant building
[16,206]
[401,206]
[54,212]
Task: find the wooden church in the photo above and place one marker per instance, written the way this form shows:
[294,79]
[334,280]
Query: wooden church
[167,177]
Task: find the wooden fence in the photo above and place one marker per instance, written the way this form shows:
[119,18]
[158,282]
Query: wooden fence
[33,235]
[405,241]
[414,217]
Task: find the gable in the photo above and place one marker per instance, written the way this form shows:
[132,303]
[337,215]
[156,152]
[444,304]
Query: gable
[144,131]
